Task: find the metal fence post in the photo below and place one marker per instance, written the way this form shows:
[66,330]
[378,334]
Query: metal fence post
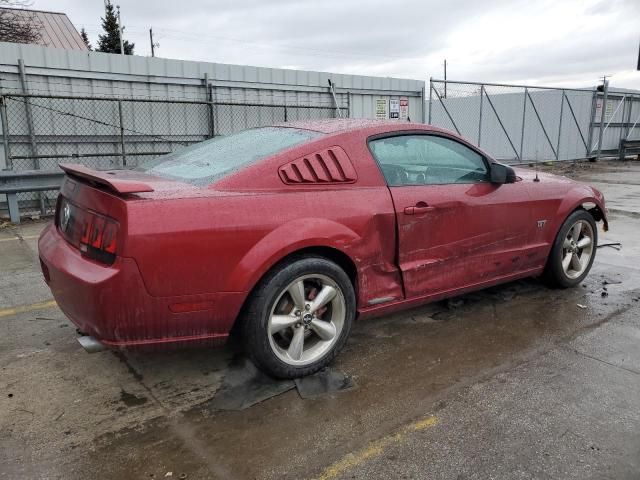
[629,127]
[592,122]
[632,126]
[14,207]
[480,117]
[285,114]
[208,97]
[29,114]
[30,126]
[602,118]
[5,133]
[332,91]
[560,126]
[122,144]
[212,112]
[430,98]
[524,118]
[623,123]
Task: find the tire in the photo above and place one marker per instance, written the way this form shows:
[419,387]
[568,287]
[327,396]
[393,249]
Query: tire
[562,269]
[287,337]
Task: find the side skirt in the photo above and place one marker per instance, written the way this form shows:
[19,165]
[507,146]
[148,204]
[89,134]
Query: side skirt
[377,310]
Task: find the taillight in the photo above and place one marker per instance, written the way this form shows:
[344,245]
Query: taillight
[95,235]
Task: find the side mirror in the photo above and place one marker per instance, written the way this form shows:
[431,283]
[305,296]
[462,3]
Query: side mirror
[502,174]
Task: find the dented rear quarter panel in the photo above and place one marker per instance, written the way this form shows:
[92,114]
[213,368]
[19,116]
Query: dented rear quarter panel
[226,237]
[235,239]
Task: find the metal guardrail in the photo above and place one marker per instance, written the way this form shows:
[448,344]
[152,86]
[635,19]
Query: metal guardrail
[629,147]
[12,183]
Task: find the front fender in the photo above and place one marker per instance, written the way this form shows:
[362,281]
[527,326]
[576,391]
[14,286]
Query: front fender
[580,197]
[285,239]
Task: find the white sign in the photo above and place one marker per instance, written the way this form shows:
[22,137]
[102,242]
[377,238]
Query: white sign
[404,108]
[608,111]
[394,108]
[381,108]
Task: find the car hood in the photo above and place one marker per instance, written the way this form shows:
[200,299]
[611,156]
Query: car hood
[562,183]
[527,175]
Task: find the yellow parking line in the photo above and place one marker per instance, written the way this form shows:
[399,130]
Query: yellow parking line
[13,239]
[7,312]
[374,449]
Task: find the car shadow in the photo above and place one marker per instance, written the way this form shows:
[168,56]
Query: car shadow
[224,379]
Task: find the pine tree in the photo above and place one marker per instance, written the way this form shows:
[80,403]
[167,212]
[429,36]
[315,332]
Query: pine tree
[85,38]
[110,41]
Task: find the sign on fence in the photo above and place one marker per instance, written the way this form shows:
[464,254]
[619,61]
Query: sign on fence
[404,108]
[381,108]
[394,108]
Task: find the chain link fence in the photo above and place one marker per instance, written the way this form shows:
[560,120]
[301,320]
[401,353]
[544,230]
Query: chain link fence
[105,133]
[518,124]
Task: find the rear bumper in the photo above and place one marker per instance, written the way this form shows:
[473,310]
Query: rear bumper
[112,304]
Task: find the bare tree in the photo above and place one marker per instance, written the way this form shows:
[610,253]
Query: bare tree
[18,25]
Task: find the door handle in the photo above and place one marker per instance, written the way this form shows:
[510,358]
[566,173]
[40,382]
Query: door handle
[419,209]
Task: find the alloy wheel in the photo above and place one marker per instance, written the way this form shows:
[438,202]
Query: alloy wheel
[577,249]
[306,319]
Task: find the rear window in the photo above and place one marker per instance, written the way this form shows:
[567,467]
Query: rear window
[208,161]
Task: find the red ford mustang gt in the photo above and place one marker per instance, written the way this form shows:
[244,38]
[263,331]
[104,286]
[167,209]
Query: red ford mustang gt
[289,232]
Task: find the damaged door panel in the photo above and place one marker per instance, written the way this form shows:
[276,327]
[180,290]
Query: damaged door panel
[455,227]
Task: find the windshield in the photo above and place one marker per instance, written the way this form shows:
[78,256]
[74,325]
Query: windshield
[207,161]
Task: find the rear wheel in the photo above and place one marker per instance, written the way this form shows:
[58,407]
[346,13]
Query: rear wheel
[299,317]
[573,251]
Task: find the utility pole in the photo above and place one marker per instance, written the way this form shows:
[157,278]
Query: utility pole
[153,54]
[445,78]
[120,30]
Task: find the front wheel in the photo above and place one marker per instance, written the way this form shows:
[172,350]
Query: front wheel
[573,251]
[299,317]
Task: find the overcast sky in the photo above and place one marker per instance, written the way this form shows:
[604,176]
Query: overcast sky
[544,42]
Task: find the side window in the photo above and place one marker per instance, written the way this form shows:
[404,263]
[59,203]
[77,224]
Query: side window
[427,160]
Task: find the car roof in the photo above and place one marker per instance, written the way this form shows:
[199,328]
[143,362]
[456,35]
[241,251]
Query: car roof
[341,125]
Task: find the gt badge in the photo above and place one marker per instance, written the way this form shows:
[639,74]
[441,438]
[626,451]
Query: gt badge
[541,223]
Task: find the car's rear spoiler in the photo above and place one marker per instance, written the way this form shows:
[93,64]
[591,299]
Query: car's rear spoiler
[106,179]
